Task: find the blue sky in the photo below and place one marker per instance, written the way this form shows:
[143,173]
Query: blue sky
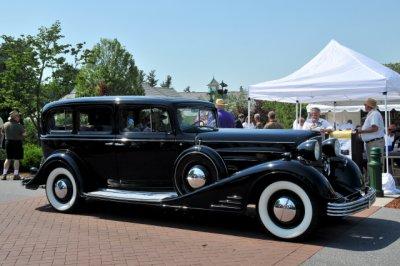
[240,42]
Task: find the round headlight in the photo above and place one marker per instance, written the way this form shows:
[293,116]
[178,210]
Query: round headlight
[331,147]
[317,151]
[309,150]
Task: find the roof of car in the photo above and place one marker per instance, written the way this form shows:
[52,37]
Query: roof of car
[126,99]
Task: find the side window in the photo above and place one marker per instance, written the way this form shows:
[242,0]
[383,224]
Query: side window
[95,120]
[60,121]
[144,120]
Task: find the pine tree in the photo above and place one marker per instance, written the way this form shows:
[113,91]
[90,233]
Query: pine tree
[167,83]
[151,78]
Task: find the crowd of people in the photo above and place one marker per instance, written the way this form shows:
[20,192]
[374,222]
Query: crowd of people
[372,132]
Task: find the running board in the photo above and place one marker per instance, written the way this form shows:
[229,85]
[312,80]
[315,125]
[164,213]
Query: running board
[126,195]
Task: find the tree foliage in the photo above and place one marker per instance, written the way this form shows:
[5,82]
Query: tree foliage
[167,83]
[35,70]
[394,66]
[109,69]
[151,78]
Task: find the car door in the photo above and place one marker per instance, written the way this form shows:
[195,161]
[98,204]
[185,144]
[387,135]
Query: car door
[94,140]
[145,147]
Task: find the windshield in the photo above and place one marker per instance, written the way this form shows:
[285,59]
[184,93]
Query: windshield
[190,118]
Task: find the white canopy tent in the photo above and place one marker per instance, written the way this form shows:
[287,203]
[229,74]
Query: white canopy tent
[336,71]
[349,108]
[336,74]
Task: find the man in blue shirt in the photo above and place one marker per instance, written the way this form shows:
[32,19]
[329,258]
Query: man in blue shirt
[225,119]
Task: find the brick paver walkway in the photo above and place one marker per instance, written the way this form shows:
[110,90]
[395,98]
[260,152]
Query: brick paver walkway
[31,233]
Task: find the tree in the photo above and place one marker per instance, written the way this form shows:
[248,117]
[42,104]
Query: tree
[32,66]
[151,78]
[167,83]
[109,69]
[142,76]
[187,89]
[394,66]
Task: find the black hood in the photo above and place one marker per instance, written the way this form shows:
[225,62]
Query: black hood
[288,136]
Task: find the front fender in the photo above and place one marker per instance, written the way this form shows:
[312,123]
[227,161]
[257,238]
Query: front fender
[244,185]
[63,157]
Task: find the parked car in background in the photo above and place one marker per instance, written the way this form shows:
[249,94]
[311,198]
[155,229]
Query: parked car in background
[170,152]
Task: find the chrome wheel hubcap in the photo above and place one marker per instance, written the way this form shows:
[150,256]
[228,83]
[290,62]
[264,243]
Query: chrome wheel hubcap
[196,176]
[284,209]
[61,189]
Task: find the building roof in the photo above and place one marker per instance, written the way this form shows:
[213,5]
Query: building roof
[213,83]
[159,91]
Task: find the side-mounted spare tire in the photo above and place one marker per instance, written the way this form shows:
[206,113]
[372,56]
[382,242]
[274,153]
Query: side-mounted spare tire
[198,167]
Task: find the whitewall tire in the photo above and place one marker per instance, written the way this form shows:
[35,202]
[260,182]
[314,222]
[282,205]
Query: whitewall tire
[62,190]
[286,210]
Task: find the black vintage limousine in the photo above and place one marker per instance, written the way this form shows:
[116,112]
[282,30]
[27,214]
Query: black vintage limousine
[170,152]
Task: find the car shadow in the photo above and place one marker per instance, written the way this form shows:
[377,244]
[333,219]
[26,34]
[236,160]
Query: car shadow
[353,233]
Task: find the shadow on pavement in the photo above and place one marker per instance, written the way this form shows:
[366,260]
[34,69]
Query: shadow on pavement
[353,233]
[358,234]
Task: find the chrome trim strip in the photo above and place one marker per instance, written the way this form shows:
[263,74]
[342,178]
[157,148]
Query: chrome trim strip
[249,141]
[126,195]
[116,140]
[234,197]
[230,202]
[224,207]
[348,208]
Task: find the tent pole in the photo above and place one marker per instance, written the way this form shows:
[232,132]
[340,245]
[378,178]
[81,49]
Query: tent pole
[297,114]
[334,115]
[248,112]
[387,135]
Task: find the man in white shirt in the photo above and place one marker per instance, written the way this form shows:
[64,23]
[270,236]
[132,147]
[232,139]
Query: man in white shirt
[316,123]
[373,129]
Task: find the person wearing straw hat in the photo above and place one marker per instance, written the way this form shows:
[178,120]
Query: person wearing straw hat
[372,131]
[14,133]
[225,118]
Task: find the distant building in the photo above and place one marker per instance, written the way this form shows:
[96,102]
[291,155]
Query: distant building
[160,91]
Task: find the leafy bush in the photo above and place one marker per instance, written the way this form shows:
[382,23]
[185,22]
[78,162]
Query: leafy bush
[31,132]
[32,156]
[2,154]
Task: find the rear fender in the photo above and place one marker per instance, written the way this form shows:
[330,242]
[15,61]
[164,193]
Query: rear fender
[59,158]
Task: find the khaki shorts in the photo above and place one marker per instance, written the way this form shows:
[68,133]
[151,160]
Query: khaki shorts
[380,143]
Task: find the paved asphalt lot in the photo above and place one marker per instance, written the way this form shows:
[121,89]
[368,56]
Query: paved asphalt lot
[13,190]
[32,233]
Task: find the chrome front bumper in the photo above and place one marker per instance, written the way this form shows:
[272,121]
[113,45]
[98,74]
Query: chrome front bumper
[350,207]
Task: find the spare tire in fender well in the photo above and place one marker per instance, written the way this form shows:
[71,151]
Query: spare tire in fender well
[205,152]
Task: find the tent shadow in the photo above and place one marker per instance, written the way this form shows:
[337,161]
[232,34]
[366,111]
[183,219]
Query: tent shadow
[358,234]
[353,233]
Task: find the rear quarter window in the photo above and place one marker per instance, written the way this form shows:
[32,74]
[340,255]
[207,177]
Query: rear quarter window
[59,121]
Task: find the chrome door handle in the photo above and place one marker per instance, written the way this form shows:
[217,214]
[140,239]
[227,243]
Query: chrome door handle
[109,143]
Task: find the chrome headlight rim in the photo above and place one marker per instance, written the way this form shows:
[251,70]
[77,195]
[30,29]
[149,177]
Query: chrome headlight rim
[317,151]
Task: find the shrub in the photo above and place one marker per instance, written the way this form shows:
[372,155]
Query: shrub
[31,132]
[32,156]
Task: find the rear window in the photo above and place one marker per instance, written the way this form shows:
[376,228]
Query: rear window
[60,121]
[95,120]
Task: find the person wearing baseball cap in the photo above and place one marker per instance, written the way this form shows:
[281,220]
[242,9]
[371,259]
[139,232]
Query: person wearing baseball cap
[225,118]
[372,131]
